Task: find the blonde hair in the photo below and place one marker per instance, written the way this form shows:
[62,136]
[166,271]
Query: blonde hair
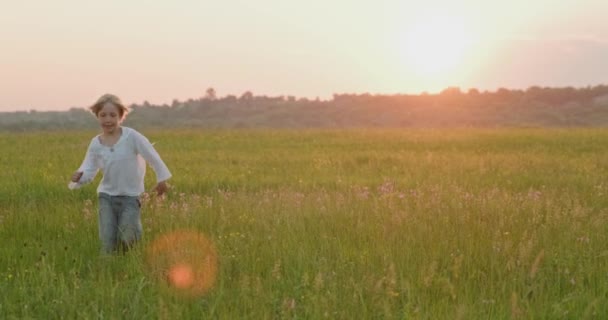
[109,98]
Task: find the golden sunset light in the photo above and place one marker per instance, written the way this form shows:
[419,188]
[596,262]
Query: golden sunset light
[436,44]
[318,159]
[162,51]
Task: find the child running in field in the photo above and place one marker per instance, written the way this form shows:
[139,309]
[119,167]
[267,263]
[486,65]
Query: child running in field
[121,154]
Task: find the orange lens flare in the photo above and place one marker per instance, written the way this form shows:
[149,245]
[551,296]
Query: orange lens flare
[181,276]
[185,260]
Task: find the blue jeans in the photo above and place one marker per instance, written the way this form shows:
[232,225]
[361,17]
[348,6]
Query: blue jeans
[119,222]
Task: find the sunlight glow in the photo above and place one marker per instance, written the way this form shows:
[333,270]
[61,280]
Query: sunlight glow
[435,44]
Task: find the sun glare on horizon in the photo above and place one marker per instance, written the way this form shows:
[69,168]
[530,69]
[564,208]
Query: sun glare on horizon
[435,45]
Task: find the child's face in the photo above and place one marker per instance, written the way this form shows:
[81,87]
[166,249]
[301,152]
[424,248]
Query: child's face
[109,118]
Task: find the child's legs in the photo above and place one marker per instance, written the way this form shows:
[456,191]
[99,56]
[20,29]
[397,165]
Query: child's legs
[108,224]
[129,221]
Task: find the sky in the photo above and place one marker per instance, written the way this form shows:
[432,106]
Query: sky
[59,54]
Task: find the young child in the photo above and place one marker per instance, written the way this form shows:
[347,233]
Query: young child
[121,154]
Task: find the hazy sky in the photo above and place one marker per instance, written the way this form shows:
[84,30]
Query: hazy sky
[66,53]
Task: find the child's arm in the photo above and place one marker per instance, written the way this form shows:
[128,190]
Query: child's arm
[87,171]
[147,151]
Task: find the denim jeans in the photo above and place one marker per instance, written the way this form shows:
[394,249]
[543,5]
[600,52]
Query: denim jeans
[119,222]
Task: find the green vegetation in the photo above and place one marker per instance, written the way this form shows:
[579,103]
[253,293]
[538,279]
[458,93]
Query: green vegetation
[314,224]
[533,107]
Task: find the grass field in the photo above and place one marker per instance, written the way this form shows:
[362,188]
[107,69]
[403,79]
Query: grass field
[351,224]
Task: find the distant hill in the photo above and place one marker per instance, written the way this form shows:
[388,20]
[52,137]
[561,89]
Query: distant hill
[535,106]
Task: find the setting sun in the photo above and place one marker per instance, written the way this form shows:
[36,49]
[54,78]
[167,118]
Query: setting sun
[435,44]
[276,49]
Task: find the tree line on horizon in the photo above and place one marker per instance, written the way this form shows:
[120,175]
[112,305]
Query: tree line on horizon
[452,107]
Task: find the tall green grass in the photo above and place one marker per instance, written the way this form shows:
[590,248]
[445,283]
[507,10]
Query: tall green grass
[350,224]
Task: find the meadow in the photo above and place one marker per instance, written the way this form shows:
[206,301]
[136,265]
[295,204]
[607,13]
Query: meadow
[323,224]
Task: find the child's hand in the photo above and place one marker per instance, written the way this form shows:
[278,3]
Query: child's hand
[161,188]
[76,176]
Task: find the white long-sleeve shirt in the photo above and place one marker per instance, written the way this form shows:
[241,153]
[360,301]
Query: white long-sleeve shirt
[123,165]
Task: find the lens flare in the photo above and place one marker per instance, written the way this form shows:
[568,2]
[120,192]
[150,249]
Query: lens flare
[185,261]
[181,276]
